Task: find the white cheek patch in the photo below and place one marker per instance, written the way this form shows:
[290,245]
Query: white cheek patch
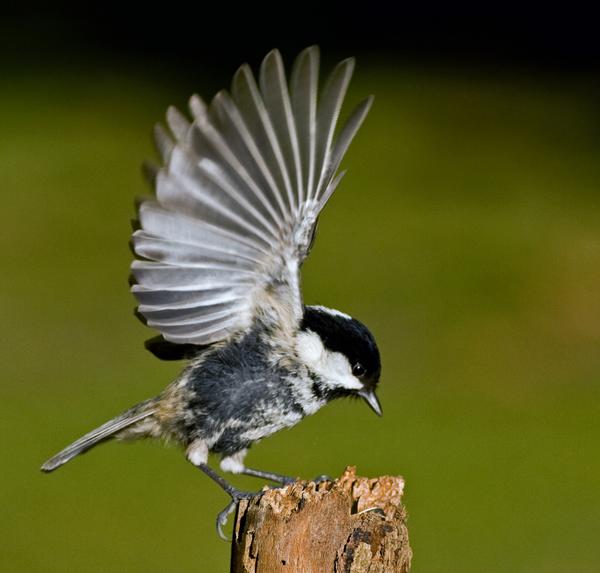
[310,348]
[337,372]
[332,367]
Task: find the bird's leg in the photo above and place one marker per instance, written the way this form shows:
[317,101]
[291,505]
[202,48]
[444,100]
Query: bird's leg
[234,463]
[271,476]
[222,482]
[236,496]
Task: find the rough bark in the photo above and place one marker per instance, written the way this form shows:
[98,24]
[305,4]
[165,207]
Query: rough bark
[351,525]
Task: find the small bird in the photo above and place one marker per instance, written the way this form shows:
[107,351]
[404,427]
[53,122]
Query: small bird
[217,271]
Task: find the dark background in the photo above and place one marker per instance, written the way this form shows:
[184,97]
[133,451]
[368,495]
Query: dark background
[493,35]
[466,235]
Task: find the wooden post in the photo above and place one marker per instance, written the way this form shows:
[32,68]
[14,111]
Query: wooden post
[351,525]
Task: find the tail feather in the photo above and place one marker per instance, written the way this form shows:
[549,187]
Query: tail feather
[89,440]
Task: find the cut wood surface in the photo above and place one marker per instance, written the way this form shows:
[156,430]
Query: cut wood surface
[351,525]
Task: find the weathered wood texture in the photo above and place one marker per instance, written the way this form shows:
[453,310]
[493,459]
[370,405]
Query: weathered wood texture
[351,525]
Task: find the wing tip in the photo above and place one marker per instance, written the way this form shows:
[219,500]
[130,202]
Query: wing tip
[177,122]
[245,68]
[365,106]
[140,316]
[273,57]
[345,67]
[273,53]
[197,106]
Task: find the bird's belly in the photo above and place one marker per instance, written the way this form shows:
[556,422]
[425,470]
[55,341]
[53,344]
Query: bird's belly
[266,428]
[234,403]
[237,435]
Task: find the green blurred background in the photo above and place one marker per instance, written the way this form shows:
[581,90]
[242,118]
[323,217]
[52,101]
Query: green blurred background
[466,235]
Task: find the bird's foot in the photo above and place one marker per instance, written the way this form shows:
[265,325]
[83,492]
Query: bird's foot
[280,479]
[270,476]
[236,496]
[318,479]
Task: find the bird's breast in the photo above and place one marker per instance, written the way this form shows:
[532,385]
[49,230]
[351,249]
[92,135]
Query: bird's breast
[240,394]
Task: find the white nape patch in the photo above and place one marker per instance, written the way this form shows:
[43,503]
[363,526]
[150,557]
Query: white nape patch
[197,452]
[332,367]
[310,347]
[234,463]
[332,311]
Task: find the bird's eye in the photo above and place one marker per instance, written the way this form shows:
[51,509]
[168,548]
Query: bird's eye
[358,369]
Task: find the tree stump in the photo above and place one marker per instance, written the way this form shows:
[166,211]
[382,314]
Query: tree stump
[351,525]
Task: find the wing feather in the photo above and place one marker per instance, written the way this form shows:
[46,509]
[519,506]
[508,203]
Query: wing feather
[162,222]
[177,123]
[197,106]
[207,296]
[237,200]
[343,141]
[173,252]
[219,177]
[231,123]
[198,334]
[327,116]
[250,102]
[277,101]
[206,135]
[195,194]
[192,315]
[160,275]
[303,88]
[330,189]
[172,315]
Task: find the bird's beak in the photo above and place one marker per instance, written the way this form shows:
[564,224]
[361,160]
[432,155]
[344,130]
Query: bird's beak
[371,399]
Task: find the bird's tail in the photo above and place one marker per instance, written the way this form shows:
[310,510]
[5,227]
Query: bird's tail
[105,431]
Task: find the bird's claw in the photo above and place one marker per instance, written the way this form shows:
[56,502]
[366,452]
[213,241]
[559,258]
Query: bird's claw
[236,497]
[222,519]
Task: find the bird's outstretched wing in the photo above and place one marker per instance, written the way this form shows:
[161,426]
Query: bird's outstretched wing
[237,199]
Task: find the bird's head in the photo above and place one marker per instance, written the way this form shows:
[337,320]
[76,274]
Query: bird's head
[342,353]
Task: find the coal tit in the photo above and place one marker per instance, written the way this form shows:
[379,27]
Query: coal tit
[217,273]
